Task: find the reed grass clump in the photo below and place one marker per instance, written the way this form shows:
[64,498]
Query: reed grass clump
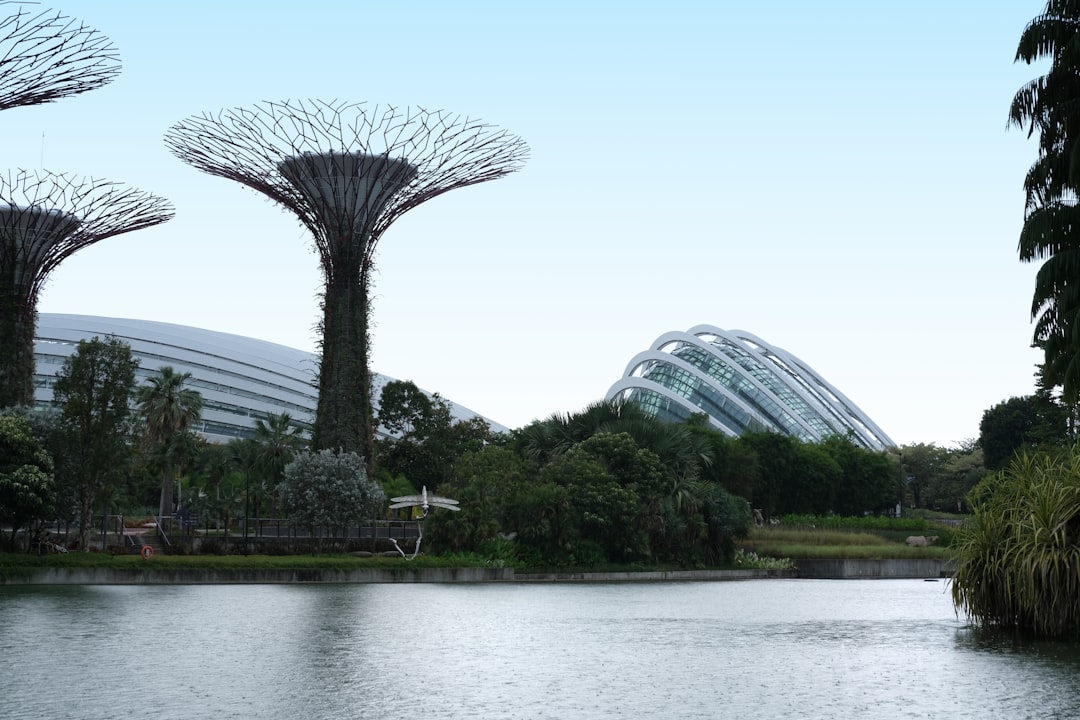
[1018,558]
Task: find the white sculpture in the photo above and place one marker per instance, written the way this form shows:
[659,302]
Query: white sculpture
[424,502]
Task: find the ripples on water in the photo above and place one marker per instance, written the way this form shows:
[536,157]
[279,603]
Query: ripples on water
[755,649]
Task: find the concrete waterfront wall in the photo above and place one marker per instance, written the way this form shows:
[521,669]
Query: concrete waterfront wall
[106,576]
[840,569]
[667,575]
[850,568]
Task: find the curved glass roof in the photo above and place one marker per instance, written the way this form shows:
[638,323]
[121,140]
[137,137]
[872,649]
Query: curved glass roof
[241,379]
[741,382]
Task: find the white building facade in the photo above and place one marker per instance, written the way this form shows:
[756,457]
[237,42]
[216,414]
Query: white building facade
[241,379]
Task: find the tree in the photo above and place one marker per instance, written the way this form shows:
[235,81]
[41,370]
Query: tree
[869,481]
[615,488]
[264,457]
[426,442]
[1048,106]
[328,490]
[347,171]
[1021,422]
[735,465]
[921,469]
[963,470]
[490,485]
[776,458]
[168,410]
[27,489]
[93,390]
[406,411]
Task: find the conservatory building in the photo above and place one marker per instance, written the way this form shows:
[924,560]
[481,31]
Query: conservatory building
[741,383]
[241,379]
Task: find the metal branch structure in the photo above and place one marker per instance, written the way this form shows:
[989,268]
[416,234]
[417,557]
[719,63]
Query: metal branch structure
[44,219]
[347,171]
[45,56]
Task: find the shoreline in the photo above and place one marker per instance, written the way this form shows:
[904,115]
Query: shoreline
[843,569]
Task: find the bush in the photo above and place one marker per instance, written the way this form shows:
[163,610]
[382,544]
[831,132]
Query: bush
[1018,559]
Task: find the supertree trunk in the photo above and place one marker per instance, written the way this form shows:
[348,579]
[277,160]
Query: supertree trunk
[44,56]
[44,219]
[347,171]
[343,418]
[17,325]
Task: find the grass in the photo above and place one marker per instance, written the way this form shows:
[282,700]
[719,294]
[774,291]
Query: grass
[802,542]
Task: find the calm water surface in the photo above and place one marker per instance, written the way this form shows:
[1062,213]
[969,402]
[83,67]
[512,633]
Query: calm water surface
[755,649]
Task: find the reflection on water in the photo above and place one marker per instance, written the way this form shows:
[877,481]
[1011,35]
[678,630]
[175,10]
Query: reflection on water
[756,649]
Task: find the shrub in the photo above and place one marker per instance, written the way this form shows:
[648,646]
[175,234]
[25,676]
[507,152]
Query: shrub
[1018,559]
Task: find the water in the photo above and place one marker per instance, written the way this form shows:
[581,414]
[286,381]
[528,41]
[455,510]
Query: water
[754,649]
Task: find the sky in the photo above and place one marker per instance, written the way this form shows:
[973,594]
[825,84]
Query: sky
[837,178]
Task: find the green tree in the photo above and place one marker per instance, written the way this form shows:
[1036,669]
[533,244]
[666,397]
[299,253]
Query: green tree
[822,484]
[169,410]
[734,466]
[276,442]
[921,470]
[962,471]
[869,480]
[1031,421]
[1048,106]
[27,488]
[777,458]
[616,488]
[489,484]
[328,490]
[426,441]
[727,519]
[93,391]
[406,411]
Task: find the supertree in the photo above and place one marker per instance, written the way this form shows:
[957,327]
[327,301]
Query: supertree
[347,171]
[45,56]
[45,218]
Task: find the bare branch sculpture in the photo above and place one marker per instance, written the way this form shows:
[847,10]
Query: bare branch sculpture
[44,219]
[347,171]
[45,56]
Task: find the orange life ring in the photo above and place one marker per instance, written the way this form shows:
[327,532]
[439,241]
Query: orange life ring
[147,552]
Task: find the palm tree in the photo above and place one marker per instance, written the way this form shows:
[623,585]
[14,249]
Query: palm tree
[277,440]
[1050,105]
[168,410]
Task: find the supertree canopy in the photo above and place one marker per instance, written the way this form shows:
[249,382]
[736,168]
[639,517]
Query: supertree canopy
[347,171]
[45,56]
[44,219]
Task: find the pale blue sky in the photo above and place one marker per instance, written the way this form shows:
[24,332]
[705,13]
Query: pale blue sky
[834,177]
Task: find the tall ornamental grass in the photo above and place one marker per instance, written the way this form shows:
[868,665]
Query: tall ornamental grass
[1018,559]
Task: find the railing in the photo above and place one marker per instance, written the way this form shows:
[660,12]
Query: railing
[111,534]
[163,535]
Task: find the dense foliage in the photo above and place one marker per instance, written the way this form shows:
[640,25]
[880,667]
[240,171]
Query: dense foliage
[326,489]
[93,391]
[27,487]
[1021,423]
[1018,558]
[169,410]
[613,485]
[1047,107]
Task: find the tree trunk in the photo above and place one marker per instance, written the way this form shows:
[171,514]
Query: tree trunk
[165,507]
[85,511]
[343,420]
